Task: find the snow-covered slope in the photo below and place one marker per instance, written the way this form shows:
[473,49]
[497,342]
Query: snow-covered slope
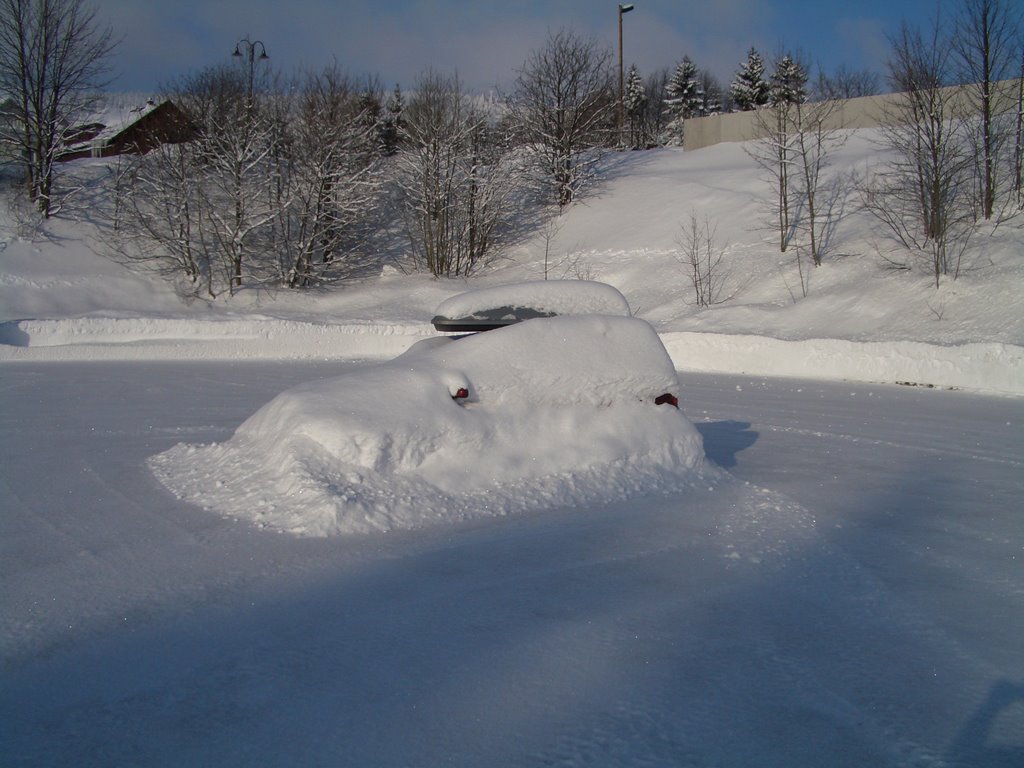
[859,319]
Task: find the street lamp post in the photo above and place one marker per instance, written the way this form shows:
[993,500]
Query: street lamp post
[623,8]
[249,126]
[250,46]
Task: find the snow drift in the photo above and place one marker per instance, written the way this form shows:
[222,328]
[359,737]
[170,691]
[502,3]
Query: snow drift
[552,412]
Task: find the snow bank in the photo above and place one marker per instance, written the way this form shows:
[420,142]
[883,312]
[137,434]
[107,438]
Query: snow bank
[984,367]
[559,412]
[149,338]
[997,368]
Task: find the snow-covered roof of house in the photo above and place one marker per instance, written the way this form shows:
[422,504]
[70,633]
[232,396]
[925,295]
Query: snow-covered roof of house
[115,119]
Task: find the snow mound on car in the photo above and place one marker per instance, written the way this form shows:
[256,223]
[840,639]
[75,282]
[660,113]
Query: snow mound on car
[550,297]
[559,412]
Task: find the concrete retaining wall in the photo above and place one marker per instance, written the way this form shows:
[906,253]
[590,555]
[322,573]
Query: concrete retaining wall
[864,112]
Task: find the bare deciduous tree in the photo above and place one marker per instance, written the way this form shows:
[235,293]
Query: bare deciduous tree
[564,105]
[203,207]
[798,139]
[922,195]
[702,258]
[159,221]
[330,184]
[239,185]
[277,188]
[775,151]
[986,46]
[846,83]
[1018,152]
[53,59]
[815,138]
[455,181]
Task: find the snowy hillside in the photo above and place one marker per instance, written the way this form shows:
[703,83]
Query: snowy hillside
[59,300]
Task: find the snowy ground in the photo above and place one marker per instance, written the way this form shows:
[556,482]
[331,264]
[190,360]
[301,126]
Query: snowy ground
[849,591]
[852,597]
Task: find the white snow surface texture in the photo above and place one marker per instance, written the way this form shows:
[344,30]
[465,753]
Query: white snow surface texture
[560,411]
[839,585]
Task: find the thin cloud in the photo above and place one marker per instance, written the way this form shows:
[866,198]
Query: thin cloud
[485,41]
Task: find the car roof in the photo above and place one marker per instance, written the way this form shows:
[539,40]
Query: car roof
[498,306]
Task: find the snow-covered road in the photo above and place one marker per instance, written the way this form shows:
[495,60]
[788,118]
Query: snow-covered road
[855,596]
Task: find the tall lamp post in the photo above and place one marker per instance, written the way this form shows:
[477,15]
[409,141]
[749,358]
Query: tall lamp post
[623,8]
[250,46]
[237,175]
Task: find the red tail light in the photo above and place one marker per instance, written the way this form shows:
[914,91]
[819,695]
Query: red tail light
[667,399]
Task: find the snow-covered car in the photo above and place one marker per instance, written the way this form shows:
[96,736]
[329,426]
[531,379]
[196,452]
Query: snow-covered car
[548,411]
[488,309]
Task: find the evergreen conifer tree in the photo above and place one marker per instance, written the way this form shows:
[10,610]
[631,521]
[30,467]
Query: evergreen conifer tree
[788,82]
[684,92]
[391,122]
[636,95]
[635,103]
[750,90]
[712,95]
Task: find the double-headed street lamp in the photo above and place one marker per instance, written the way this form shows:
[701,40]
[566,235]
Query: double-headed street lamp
[250,46]
[623,8]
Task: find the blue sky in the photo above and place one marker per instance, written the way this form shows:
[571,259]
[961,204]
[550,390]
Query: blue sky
[486,40]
